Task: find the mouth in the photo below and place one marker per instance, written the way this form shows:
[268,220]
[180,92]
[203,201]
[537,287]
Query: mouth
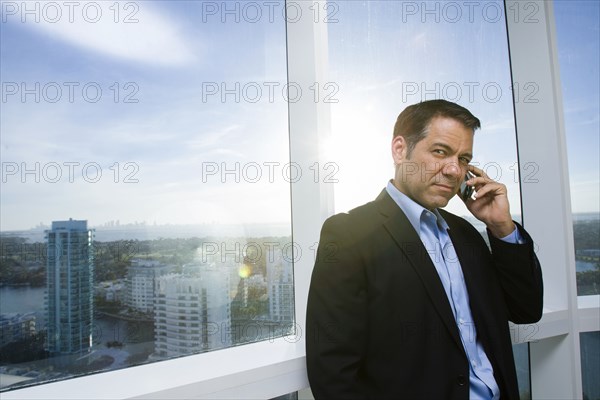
[445,188]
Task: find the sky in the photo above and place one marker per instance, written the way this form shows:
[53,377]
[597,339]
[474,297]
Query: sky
[157,128]
[145,94]
[578,35]
[390,55]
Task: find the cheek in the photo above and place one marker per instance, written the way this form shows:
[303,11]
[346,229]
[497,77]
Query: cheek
[431,168]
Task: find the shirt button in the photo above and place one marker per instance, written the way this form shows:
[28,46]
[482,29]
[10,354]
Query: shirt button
[473,363]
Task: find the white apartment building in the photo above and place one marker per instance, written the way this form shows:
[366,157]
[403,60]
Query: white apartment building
[141,279]
[192,311]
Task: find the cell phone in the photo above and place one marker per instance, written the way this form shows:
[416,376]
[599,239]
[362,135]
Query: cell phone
[467,191]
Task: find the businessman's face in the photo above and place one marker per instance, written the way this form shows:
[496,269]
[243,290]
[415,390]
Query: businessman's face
[432,173]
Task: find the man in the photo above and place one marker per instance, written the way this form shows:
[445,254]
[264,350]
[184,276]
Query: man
[406,300]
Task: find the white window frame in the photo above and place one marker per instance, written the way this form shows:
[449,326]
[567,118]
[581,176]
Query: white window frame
[272,368]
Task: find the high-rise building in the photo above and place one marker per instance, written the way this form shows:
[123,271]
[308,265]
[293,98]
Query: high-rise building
[70,287]
[192,311]
[141,279]
[280,286]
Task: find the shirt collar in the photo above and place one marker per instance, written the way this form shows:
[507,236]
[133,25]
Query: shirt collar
[412,209]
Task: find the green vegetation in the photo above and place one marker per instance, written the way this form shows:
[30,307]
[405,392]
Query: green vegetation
[22,263]
[588,282]
[24,350]
[586,234]
[25,263]
[587,239]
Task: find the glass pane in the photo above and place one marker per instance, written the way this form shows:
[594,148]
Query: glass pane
[590,364]
[521,353]
[145,203]
[577,24]
[387,55]
[289,396]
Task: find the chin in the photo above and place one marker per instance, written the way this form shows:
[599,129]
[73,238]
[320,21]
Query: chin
[439,203]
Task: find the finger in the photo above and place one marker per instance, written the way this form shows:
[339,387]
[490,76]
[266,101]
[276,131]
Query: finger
[479,181]
[480,193]
[491,189]
[477,171]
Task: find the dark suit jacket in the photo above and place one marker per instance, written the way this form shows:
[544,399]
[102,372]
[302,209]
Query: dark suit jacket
[379,324]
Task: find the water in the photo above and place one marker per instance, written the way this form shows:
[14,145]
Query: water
[25,299]
[21,299]
[581,266]
[136,337]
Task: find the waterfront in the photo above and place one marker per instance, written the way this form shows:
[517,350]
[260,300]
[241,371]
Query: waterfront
[134,339]
[21,299]
[119,343]
[25,299]
[581,266]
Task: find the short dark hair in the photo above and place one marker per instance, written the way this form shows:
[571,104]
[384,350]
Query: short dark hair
[413,122]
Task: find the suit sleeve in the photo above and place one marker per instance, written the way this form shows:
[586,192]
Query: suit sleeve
[520,276]
[336,315]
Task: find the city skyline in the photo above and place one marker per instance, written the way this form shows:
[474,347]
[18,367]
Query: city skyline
[171,298]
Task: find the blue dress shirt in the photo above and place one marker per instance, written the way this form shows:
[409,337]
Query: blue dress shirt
[433,231]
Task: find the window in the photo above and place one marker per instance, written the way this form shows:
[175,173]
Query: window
[590,364]
[271,368]
[577,34]
[386,55]
[158,131]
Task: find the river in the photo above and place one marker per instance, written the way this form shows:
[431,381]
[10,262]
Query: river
[136,337]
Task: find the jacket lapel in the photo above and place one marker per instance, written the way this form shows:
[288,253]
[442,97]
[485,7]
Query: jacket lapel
[405,236]
[469,265]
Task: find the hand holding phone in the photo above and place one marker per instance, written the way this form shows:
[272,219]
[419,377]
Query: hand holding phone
[467,191]
[489,204]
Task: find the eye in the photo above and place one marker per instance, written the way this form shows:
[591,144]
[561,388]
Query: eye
[464,160]
[439,151]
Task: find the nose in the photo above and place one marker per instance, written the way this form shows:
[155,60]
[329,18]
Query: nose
[454,170]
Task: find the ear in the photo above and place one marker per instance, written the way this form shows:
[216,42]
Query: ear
[399,149]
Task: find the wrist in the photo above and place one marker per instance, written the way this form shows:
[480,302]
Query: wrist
[503,229]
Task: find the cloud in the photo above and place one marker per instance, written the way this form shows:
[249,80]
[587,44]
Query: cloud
[211,139]
[136,32]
